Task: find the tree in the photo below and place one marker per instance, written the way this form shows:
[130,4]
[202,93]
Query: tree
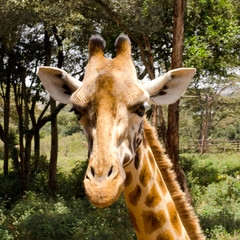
[24,36]
[212,47]
[173,109]
[54,127]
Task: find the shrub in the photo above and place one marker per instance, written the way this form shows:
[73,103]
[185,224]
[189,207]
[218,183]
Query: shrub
[220,207]
[4,232]
[71,185]
[10,189]
[38,217]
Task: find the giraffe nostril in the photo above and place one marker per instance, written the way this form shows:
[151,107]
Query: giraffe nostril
[92,171]
[110,172]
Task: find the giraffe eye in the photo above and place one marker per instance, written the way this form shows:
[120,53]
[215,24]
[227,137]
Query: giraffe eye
[76,112]
[140,111]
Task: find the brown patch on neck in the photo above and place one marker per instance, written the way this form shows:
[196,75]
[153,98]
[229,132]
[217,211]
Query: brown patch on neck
[145,173]
[153,198]
[165,236]
[128,179]
[185,211]
[135,195]
[152,221]
[136,159]
[161,183]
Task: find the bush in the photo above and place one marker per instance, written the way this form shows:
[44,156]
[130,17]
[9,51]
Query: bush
[214,182]
[4,232]
[71,185]
[39,173]
[223,205]
[203,171]
[68,124]
[38,217]
[10,189]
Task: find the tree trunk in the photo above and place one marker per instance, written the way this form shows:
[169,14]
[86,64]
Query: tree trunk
[163,128]
[204,129]
[6,125]
[54,149]
[54,128]
[36,146]
[15,158]
[173,109]
[18,95]
[21,145]
[28,134]
[154,117]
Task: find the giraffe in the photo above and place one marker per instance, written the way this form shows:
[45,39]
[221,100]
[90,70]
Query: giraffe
[124,154]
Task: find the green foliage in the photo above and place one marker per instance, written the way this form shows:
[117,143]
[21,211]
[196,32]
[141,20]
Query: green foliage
[10,189]
[4,231]
[204,172]
[220,206]
[211,41]
[71,185]
[214,181]
[39,217]
[68,124]
[66,214]
[211,45]
[229,128]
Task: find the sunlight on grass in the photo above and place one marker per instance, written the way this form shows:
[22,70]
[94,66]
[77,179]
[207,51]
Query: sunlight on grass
[71,149]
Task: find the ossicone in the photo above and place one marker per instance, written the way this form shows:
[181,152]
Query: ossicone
[96,45]
[123,46]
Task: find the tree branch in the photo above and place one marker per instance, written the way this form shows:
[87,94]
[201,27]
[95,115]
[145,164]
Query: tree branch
[43,111]
[215,97]
[132,36]
[48,118]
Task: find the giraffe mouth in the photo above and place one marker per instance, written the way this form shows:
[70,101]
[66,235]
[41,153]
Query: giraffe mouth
[104,193]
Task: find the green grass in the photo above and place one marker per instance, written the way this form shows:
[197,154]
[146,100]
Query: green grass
[72,149]
[211,167]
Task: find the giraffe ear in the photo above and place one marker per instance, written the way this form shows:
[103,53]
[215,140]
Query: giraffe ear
[170,87]
[58,83]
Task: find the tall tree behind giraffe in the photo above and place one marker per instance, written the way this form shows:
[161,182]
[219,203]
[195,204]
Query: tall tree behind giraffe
[173,109]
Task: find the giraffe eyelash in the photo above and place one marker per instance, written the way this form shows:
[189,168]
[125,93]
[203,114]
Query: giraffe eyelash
[76,112]
[141,110]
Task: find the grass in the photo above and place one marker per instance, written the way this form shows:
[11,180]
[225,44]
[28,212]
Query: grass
[72,148]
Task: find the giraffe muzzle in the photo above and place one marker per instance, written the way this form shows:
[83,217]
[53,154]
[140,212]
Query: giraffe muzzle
[104,186]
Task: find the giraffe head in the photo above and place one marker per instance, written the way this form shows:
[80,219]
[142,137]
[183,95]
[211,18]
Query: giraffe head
[110,104]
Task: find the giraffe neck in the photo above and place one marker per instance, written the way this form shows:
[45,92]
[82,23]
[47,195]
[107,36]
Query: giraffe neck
[153,208]
[150,205]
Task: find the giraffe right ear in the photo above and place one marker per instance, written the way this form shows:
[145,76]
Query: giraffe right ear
[58,83]
[170,87]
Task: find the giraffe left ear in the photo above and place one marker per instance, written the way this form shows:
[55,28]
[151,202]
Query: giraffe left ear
[170,87]
[58,83]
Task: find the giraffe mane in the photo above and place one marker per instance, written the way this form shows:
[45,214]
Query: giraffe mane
[186,213]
